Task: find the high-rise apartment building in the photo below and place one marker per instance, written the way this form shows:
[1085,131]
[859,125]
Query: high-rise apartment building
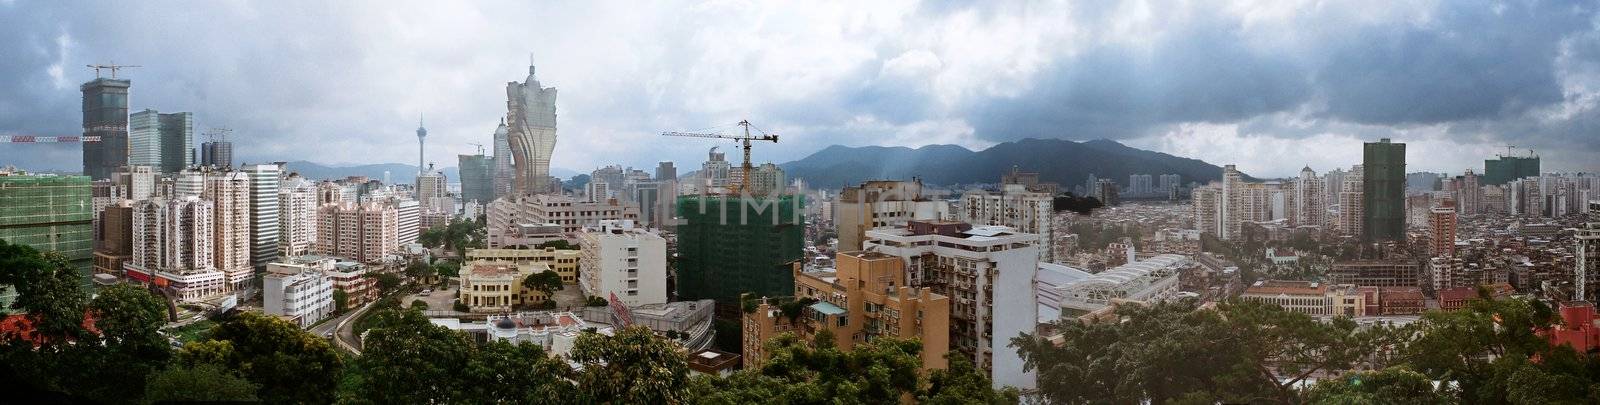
[113,244]
[408,220]
[665,171]
[1442,223]
[1106,191]
[162,141]
[1469,194]
[1383,191]
[1308,202]
[881,203]
[105,114]
[1351,204]
[503,172]
[1168,185]
[297,217]
[364,232]
[988,274]
[229,194]
[477,178]
[1207,202]
[173,247]
[1141,184]
[135,182]
[531,131]
[622,260]
[263,212]
[431,194]
[766,179]
[49,213]
[1016,207]
[729,246]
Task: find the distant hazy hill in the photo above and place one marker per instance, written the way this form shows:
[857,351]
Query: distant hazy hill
[1061,161]
[398,173]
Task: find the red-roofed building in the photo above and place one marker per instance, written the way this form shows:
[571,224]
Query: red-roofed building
[20,326]
[1451,299]
[1578,327]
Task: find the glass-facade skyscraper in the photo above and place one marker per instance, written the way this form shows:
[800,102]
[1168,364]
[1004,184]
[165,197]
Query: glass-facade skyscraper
[477,178]
[105,114]
[1383,187]
[531,121]
[162,141]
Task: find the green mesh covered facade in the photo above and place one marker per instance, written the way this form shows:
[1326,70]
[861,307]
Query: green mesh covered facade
[1383,191]
[49,213]
[1504,169]
[728,246]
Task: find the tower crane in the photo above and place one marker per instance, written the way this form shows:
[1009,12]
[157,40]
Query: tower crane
[113,66]
[217,134]
[744,183]
[479,145]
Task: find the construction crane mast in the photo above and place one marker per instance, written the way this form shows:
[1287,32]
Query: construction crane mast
[479,145]
[744,183]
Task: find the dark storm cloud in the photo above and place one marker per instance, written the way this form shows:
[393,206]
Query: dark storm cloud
[1201,73]
[1471,61]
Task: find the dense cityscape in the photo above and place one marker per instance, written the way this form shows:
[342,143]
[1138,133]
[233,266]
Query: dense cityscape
[171,269]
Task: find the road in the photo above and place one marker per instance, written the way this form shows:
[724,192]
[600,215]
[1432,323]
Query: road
[345,325]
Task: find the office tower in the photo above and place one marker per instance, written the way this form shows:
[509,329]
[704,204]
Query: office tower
[625,261]
[113,241]
[1383,191]
[477,178]
[1507,168]
[49,213]
[665,171]
[408,220]
[766,179]
[364,232]
[229,194]
[263,212]
[162,141]
[1351,221]
[881,203]
[297,217]
[1308,200]
[105,114]
[218,152]
[531,129]
[1016,207]
[172,247]
[1442,223]
[988,271]
[504,173]
[728,246]
[716,172]
[431,192]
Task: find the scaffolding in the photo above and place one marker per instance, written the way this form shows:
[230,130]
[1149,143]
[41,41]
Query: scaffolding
[729,245]
[48,213]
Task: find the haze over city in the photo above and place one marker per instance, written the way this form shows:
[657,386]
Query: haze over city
[1282,84]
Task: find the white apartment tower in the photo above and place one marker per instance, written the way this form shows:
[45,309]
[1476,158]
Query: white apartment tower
[297,217]
[299,291]
[621,259]
[988,272]
[1016,207]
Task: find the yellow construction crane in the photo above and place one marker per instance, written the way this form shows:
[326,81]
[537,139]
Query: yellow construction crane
[744,183]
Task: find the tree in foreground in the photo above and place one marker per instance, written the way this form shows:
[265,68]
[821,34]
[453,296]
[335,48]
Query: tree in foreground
[202,383]
[410,360]
[1394,385]
[885,370]
[547,282]
[632,367]
[290,364]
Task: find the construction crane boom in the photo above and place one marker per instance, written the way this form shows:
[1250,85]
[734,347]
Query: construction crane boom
[744,183]
[113,67]
[479,145]
[46,139]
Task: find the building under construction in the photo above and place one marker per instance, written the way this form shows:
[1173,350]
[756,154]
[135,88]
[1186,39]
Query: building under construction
[49,213]
[729,245]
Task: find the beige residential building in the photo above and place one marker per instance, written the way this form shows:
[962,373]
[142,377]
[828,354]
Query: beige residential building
[229,193]
[1016,207]
[173,247]
[864,298]
[365,232]
[564,262]
[881,203]
[1310,298]
[571,214]
[1350,204]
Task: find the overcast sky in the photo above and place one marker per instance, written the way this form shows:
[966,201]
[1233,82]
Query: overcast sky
[1269,85]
